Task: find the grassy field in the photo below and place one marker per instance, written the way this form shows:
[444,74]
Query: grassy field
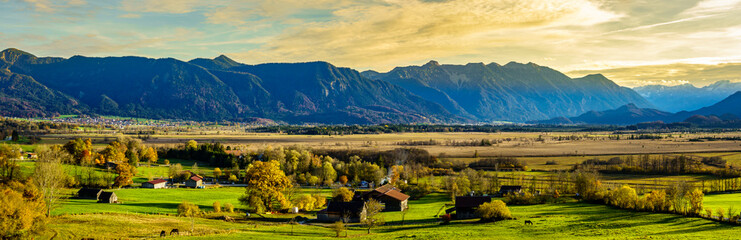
[571,220]
[715,201]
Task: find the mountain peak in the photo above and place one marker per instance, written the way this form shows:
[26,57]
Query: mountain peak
[10,55]
[432,63]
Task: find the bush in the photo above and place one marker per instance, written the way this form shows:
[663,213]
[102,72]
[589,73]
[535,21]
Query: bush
[495,210]
[217,207]
[624,197]
[306,203]
[319,201]
[228,207]
[525,198]
[187,209]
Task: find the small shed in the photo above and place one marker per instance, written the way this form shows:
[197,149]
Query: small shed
[194,182]
[466,206]
[110,165]
[390,196]
[353,211]
[89,193]
[157,183]
[107,197]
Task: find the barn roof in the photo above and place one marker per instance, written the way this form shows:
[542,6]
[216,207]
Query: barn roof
[89,191]
[106,195]
[390,191]
[342,207]
[196,178]
[471,202]
[157,181]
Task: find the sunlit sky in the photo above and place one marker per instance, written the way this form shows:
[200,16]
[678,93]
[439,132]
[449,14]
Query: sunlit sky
[636,42]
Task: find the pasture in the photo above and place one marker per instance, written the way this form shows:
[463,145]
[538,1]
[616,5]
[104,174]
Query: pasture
[570,220]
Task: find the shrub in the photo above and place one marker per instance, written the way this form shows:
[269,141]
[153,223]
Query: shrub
[306,203]
[228,207]
[624,197]
[495,210]
[217,206]
[187,209]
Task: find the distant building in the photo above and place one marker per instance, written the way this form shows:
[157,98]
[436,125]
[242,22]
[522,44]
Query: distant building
[157,183]
[390,196]
[107,197]
[194,182]
[466,206]
[343,211]
[110,165]
[89,193]
[507,189]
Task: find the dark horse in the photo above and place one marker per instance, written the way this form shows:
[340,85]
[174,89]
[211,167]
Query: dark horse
[163,233]
[528,222]
[175,232]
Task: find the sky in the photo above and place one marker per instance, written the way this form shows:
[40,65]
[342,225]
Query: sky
[633,42]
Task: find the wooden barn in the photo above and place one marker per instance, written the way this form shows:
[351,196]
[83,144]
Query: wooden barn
[391,198]
[89,193]
[466,206]
[194,181]
[353,211]
[157,183]
[107,197]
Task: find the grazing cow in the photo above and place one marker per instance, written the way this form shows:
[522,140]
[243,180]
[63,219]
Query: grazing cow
[163,233]
[528,222]
[175,232]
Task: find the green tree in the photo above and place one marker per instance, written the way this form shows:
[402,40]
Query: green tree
[373,215]
[49,174]
[328,173]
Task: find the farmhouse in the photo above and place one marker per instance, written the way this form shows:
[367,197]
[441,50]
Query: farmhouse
[507,189]
[107,197]
[389,196]
[89,193]
[157,183]
[353,211]
[194,182]
[466,206]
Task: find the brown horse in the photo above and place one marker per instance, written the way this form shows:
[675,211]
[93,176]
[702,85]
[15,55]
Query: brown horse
[528,222]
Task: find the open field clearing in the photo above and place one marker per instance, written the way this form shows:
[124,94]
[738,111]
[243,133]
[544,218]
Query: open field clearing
[512,143]
[551,221]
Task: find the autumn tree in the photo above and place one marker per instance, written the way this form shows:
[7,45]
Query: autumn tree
[115,152]
[695,197]
[373,215]
[328,173]
[266,184]
[148,155]
[22,210]
[217,173]
[396,171]
[342,194]
[125,174]
[49,174]
[80,150]
[9,154]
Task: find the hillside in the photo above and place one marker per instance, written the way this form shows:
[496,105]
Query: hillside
[205,89]
[687,97]
[514,92]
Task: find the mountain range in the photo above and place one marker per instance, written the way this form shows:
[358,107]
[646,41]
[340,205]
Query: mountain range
[687,97]
[515,92]
[719,114]
[296,93]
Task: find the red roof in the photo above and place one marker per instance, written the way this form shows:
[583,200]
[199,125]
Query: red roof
[156,181]
[195,178]
[391,191]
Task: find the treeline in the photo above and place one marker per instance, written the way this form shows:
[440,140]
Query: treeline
[663,164]
[401,128]
[213,153]
[15,128]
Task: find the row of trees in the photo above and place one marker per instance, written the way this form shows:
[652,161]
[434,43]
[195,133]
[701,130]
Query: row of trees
[665,164]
